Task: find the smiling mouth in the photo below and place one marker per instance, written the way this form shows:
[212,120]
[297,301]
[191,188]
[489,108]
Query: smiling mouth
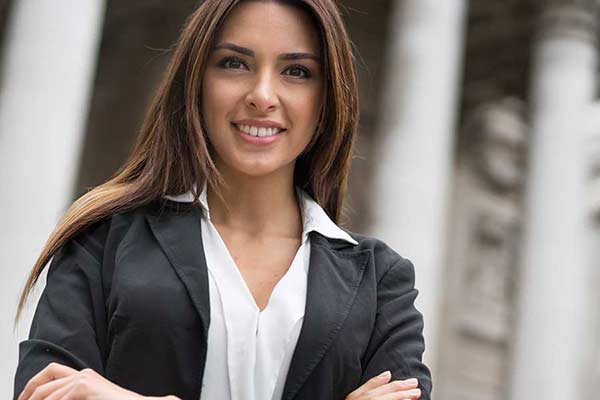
[258,132]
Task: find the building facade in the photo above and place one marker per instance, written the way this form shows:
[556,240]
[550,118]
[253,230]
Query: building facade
[478,158]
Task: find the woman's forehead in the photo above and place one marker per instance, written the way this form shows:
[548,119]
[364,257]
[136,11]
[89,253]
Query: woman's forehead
[270,25]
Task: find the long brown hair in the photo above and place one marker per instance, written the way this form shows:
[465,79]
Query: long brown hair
[171,153]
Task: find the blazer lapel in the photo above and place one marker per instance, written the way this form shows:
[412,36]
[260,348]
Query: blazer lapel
[333,280]
[180,237]
[334,275]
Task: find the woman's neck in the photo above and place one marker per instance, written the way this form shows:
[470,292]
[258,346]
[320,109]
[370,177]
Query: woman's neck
[264,206]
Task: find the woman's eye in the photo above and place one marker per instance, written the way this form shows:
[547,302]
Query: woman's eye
[298,72]
[231,63]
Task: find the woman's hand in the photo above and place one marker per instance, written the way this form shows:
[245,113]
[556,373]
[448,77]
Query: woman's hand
[378,388]
[59,382]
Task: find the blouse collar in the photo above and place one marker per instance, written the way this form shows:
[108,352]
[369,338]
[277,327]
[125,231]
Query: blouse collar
[314,218]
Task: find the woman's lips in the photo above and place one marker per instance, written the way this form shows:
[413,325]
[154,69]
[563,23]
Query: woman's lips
[258,140]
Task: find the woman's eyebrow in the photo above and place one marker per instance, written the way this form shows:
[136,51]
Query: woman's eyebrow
[250,53]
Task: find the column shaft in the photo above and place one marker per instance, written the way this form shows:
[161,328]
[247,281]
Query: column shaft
[48,67]
[418,117]
[553,313]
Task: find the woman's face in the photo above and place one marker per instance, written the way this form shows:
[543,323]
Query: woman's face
[250,81]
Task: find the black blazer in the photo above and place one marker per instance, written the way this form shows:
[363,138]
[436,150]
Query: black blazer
[128,297]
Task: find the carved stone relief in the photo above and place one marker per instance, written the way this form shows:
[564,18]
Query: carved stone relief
[484,234]
[592,380]
[594,181]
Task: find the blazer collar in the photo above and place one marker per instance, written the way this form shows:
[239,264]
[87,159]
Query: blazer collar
[178,232]
[334,276]
[335,273]
[314,218]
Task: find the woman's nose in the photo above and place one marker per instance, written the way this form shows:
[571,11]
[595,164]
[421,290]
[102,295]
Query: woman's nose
[262,96]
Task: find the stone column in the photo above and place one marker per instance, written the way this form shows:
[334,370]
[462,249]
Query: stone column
[553,323]
[47,69]
[592,366]
[417,130]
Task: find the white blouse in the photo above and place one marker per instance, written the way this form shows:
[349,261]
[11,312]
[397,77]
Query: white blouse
[249,352]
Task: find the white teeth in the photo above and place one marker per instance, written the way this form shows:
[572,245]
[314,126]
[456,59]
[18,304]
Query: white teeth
[259,132]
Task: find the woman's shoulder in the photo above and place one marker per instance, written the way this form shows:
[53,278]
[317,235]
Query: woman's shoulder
[384,255]
[110,232]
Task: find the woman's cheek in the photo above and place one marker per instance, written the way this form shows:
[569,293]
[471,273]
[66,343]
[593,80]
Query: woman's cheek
[216,100]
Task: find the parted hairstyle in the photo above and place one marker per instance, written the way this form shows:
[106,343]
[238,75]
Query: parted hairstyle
[172,154]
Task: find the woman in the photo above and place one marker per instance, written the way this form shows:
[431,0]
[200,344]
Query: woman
[151,292]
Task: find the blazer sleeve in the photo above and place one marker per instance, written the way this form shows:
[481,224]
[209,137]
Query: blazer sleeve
[397,342]
[69,323]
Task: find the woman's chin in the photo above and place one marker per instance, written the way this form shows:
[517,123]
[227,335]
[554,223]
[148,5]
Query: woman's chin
[259,172]
[257,169]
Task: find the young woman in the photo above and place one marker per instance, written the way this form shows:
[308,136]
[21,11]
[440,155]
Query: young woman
[211,265]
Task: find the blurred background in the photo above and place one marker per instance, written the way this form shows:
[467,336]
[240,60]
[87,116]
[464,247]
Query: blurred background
[478,159]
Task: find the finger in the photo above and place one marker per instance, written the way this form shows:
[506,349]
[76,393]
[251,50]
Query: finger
[63,393]
[372,383]
[394,386]
[78,386]
[52,372]
[43,391]
[413,394]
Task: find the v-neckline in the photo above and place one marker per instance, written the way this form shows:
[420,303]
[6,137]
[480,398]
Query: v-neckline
[240,277]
